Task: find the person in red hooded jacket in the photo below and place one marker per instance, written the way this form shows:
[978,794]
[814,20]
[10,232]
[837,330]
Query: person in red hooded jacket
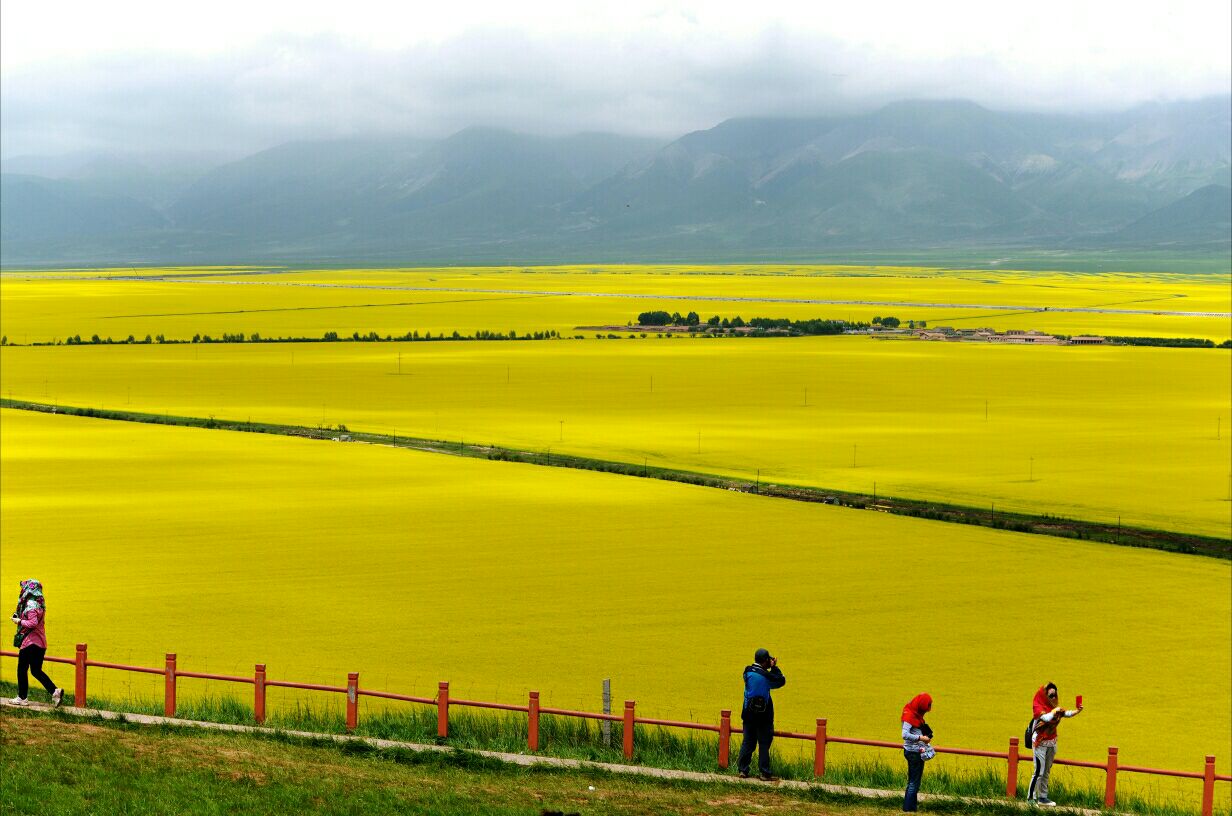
[31,640]
[916,738]
[1046,716]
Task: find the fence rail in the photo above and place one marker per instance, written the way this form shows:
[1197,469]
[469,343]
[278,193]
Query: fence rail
[628,718]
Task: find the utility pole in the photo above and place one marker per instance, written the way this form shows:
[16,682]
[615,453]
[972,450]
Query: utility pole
[1031,476]
[806,398]
[562,431]
[853,455]
[399,364]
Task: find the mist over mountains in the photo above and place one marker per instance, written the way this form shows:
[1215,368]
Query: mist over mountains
[909,175]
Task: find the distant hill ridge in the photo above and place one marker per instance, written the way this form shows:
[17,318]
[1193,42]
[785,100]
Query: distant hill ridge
[914,174]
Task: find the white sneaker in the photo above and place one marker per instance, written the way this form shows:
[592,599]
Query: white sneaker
[56,697]
[1045,803]
[19,701]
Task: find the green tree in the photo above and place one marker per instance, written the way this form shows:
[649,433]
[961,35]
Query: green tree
[657,318]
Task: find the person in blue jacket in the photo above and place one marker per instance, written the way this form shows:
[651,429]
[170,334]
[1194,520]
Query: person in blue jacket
[757,713]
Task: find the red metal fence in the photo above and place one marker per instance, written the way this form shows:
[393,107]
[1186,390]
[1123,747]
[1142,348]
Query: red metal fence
[629,719]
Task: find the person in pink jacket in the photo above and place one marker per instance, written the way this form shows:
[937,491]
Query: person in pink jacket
[31,641]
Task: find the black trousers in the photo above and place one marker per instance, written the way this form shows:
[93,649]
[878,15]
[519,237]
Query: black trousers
[758,733]
[915,772]
[31,659]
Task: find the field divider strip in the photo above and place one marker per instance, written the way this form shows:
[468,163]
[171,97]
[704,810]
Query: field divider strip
[1049,525]
[661,296]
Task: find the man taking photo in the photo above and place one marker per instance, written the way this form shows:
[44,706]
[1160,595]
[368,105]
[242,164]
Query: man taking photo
[757,713]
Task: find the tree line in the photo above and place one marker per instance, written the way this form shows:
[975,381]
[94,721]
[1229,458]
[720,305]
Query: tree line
[1170,342]
[328,337]
[814,326]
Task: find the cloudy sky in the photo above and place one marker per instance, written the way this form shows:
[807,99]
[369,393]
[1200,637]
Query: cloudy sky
[240,76]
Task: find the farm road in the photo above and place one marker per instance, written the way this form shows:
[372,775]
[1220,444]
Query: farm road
[705,298]
[321,308]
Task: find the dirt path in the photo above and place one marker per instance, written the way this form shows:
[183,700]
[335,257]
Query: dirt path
[527,760]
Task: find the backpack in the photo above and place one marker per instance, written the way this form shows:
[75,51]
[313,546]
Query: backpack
[1026,735]
[757,703]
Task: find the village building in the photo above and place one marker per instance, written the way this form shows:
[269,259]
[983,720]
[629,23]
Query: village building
[1017,337]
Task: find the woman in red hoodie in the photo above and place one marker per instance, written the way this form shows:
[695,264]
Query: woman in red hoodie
[31,641]
[1046,716]
[916,737]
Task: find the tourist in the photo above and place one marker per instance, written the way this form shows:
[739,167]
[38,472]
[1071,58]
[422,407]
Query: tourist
[917,737]
[31,641]
[757,713]
[1046,716]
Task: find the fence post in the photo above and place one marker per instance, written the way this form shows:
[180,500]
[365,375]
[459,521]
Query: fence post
[724,738]
[1110,784]
[628,728]
[169,697]
[819,748]
[258,700]
[1011,771]
[442,709]
[352,714]
[79,692]
[605,726]
[1208,787]
[532,725]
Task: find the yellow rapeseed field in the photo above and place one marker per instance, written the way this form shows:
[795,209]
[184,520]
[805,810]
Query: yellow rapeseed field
[40,307]
[1095,433]
[320,558]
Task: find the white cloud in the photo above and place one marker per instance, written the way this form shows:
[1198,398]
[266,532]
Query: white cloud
[245,75]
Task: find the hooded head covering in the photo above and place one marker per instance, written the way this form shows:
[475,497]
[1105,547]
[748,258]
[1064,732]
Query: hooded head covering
[915,710]
[1041,704]
[31,592]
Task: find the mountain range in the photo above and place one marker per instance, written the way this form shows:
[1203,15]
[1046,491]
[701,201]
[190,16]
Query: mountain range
[914,174]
